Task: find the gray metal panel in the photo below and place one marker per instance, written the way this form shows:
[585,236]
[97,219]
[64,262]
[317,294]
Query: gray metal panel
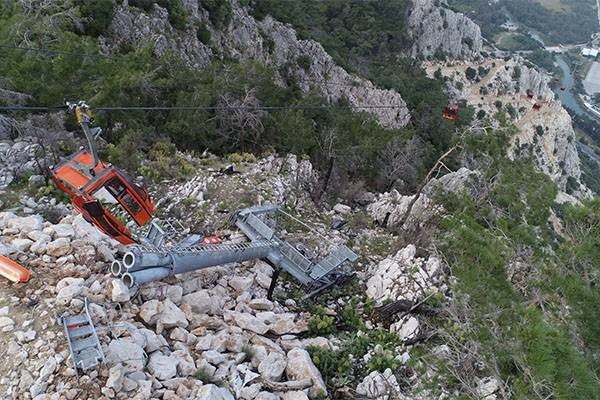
[260,227]
[328,264]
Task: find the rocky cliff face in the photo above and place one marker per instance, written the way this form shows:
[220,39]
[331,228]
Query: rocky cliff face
[438,29]
[544,128]
[267,41]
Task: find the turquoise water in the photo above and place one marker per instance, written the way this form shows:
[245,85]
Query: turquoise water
[567,97]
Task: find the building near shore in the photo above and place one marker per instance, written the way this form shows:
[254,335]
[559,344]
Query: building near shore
[590,52]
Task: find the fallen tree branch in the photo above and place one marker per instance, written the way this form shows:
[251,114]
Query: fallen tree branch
[386,312]
[286,386]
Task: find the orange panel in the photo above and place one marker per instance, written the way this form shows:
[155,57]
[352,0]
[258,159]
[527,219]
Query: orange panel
[71,176]
[12,270]
[84,158]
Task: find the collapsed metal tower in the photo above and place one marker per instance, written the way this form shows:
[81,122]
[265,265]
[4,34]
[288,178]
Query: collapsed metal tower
[151,262]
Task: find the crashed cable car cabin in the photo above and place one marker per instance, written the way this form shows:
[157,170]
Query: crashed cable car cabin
[450,112]
[87,181]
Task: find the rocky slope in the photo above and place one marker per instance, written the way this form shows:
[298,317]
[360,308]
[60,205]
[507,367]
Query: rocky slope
[524,94]
[437,29]
[267,41]
[210,334]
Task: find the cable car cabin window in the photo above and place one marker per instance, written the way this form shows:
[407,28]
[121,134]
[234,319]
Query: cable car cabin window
[141,192]
[130,203]
[115,187]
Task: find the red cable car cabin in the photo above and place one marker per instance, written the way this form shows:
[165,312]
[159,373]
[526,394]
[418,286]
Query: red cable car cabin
[81,180]
[450,112]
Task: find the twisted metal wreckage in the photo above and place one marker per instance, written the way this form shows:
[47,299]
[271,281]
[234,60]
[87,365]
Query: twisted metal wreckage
[88,180]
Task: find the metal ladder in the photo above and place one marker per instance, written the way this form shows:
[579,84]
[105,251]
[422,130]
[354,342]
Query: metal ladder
[82,339]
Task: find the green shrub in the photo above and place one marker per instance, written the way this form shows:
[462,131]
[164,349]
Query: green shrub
[332,364]
[320,323]
[220,12]
[237,158]
[304,62]
[249,351]
[177,13]
[97,16]
[380,361]
[145,5]
[202,33]
[471,73]
[203,375]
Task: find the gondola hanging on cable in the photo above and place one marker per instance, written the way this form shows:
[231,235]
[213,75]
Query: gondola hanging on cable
[450,112]
[88,180]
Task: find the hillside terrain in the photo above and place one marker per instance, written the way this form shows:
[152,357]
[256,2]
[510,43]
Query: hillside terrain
[556,21]
[477,237]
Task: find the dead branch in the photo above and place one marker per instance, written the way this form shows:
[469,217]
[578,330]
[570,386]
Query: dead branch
[435,167]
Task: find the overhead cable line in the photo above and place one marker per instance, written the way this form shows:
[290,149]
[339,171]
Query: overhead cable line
[206,108]
[44,51]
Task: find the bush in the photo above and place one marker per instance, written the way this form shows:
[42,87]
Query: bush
[145,5]
[304,62]
[220,12]
[202,33]
[177,13]
[237,158]
[320,323]
[539,130]
[97,16]
[470,73]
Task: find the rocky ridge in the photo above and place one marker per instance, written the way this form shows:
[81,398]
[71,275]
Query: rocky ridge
[544,128]
[267,41]
[437,29]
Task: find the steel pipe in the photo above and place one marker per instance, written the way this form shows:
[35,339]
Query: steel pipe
[137,259]
[116,268]
[177,262]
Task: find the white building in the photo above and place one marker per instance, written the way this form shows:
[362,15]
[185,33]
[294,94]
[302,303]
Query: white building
[590,52]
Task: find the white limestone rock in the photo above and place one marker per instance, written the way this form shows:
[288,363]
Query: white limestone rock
[120,292]
[407,328]
[213,392]
[59,247]
[380,386]
[247,321]
[130,354]
[272,366]
[300,366]
[162,367]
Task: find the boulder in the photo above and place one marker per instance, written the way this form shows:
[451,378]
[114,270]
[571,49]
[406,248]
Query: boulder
[379,385]
[26,224]
[342,209]
[241,283]
[162,367]
[150,311]
[295,395]
[248,322]
[58,247]
[130,354]
[171,316]
[272,366]
[67,293]
[407,328]
[282,324]
[120,292]
[116,376]
[202,302]
[21,244]
[488,388]
[300,366]
[63,231]
[213,392]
